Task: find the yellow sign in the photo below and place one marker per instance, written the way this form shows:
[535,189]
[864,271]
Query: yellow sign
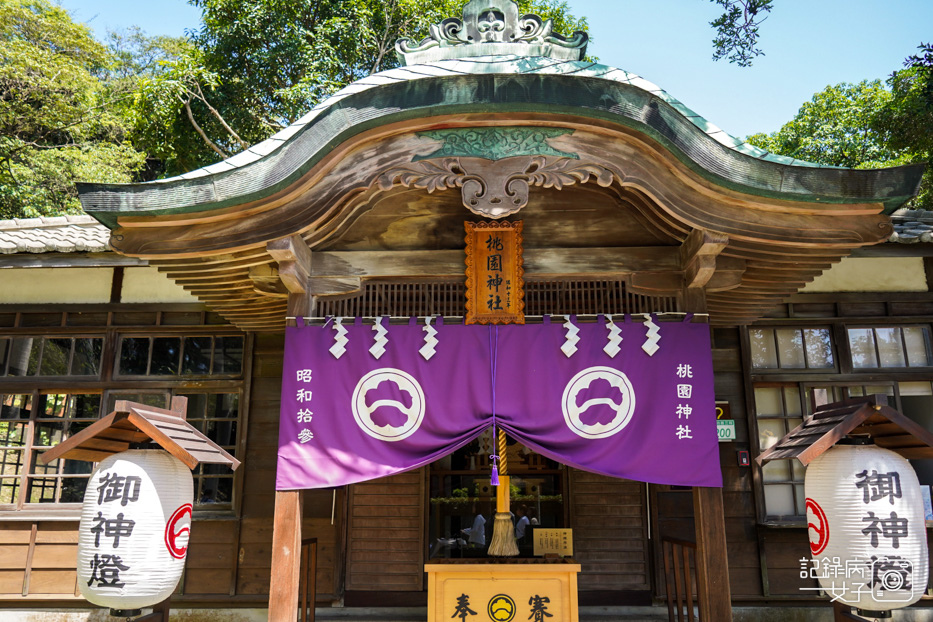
[491,592]
[553,541]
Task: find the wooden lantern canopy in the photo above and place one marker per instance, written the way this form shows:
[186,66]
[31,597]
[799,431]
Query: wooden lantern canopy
[132,424]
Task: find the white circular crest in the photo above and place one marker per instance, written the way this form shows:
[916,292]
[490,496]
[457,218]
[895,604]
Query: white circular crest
[623,408]
[362,410]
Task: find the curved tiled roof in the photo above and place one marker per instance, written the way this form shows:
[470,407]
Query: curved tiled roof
[912,226]
[486,84]
[59,234]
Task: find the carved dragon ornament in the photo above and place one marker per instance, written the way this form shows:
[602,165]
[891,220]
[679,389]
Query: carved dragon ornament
[495,189]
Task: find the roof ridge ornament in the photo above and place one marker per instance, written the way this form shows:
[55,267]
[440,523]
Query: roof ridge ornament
[491,27]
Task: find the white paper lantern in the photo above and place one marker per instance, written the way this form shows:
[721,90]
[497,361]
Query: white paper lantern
[134,530]
[866,527]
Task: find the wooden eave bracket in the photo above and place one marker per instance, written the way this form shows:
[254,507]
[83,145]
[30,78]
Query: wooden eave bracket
[294,259]
[131,423]
[864,416]
[698,256]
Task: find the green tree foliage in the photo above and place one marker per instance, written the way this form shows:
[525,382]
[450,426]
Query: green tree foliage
[835,128]
[867,125]
[59,122]
[254,67]
[737,30]
[906,122]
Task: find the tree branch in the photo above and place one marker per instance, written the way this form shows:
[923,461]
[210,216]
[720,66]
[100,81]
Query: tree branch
[236,137]
[201,133]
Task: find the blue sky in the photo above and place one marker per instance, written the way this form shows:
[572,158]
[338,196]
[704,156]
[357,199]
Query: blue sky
[808,45]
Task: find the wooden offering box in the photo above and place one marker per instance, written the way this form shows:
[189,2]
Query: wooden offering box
[503,590]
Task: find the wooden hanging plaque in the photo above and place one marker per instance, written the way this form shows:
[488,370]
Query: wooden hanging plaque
[495,286]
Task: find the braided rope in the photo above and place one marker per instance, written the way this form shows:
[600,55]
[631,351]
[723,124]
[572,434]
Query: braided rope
[503,460]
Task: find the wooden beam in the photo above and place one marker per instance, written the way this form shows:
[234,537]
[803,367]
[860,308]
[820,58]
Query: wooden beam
[286,527]
[286,556]
[539,262]
[712,563]
[698,256]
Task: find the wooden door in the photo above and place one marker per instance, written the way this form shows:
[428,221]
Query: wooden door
[385,539]
[610,532]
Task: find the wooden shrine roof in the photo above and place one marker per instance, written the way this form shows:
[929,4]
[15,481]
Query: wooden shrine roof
[132,423]
[863,416]
[604,167]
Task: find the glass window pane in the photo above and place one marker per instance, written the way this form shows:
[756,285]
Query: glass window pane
[768,402]
[228,355]
[792,401]
[48,433]
[55,357]
[224,406]
[11,461]
[24,356]
[197,405]
[801,500]
[197,356]
[914,388]
[166,352]
[770,431]
[819,348]
[159,400]
[87,357]
[779,500]
[776,471]
[13,433]
[15,406]
[862,347]
[790,348]
[41,489]
[890,347]
[134,356]
[84,406]
[798,470]
[917,339]
[764,356]
[8,489]
[221,432]
[216,490]
[51,406]
[73,489]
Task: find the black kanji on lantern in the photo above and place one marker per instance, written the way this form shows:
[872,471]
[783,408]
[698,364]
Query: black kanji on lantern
[114,486]
[879,485]
[105,570]
[115,528]
[893,528]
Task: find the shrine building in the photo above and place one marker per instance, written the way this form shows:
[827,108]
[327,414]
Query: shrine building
[812,284]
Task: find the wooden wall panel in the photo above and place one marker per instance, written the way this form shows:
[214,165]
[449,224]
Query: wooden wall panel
[610,532]
[254,556]
[390,514]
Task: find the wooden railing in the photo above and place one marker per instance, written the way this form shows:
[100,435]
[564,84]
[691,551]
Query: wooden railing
[679,580]
[307,583]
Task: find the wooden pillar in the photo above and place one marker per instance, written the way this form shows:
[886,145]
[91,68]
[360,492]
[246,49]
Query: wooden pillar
[712,563]
[294,259]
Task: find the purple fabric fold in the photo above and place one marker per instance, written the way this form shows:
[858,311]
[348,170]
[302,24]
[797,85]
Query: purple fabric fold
[635,416]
